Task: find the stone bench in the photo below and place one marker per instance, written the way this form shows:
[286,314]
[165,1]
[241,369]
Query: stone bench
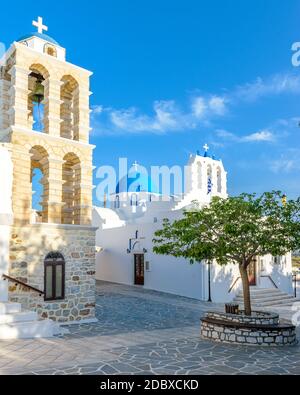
[241,332]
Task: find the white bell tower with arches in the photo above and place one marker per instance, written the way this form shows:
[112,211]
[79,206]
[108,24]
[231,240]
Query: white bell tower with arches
[205,177]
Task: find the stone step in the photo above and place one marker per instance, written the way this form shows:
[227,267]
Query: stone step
[23,316]
[9,308]
[285,302]
[266,299]
[29,330]
[270,302]
[262,292]
[277,303]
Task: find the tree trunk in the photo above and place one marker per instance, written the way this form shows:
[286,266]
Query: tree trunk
[246,289]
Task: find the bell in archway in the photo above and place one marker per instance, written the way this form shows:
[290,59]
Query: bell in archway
[38,93]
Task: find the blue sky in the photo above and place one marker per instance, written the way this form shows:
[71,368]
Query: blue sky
[171,75]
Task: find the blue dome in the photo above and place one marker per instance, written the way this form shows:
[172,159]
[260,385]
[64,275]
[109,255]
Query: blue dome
[136,182]
[39,35]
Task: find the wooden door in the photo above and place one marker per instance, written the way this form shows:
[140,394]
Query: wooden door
[252,273]
[139,269]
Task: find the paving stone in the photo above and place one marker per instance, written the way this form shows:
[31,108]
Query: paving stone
[142,332]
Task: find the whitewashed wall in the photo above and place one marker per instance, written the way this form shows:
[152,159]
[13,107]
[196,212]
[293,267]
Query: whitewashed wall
[222,278]
[173,275]
[166,274]
[6,176]
[280,272]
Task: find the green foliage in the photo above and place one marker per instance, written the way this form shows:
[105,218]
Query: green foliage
[233,230]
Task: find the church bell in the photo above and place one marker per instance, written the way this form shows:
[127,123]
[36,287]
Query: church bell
[38,93]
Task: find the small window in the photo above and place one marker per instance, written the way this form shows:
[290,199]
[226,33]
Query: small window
[54,276]
[148,267]
[50,50]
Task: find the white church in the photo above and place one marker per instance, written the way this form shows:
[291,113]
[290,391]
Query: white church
[126,230]
[48,265]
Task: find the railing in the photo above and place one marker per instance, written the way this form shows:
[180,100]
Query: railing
[271,279]
[18,282]
[234,284]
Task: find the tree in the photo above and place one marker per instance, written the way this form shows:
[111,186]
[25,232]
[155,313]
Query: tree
[234,230]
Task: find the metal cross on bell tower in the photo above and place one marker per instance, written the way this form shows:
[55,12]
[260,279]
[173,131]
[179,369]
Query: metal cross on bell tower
[206,147]
[39,25]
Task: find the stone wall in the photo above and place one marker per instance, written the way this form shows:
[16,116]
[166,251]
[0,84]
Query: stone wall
[29,247]
[6,217]
[257,317]
[215,327]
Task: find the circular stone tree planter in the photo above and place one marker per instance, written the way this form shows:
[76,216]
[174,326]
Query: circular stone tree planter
[260,329]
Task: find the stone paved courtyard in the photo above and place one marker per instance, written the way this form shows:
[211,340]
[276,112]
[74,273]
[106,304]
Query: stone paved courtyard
[142,332]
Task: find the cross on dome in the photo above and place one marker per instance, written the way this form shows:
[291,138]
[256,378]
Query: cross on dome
[39,25]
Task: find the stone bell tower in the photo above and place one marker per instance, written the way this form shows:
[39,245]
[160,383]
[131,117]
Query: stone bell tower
[44,121]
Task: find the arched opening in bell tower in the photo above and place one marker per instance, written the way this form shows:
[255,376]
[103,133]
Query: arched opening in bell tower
[219,180]
[71,190]
[39,184]
[209,179]
[199,175]
[37,111]
[69,109]
[5,96]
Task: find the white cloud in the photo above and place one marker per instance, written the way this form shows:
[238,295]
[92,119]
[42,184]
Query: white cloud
[199,107]
[261,136]
[217,105]
[275,85]
[224,134]
[276,131]
[284,164]
[97,109]
[264,135]
[168,116]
